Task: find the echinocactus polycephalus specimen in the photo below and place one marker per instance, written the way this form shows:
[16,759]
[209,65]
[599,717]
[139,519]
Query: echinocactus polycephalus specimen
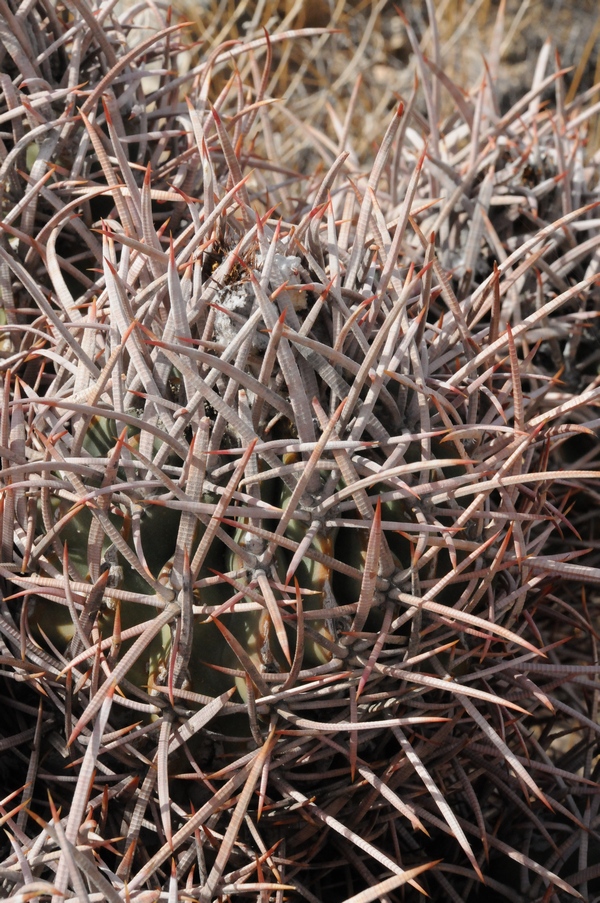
[296,476]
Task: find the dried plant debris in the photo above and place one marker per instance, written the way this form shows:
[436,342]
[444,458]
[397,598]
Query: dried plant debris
[299,476]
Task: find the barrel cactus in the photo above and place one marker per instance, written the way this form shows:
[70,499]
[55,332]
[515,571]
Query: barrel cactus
[296,477]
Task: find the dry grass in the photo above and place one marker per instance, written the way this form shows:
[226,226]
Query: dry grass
[299,467]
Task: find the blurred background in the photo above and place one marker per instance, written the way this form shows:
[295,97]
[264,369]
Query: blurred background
[371,58]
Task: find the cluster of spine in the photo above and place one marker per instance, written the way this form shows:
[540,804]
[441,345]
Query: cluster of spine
[296,478]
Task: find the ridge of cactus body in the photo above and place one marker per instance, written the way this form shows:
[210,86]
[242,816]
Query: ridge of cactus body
[313,575]
[158,529]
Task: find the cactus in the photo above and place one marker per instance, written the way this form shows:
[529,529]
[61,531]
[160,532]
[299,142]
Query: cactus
[296,478]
